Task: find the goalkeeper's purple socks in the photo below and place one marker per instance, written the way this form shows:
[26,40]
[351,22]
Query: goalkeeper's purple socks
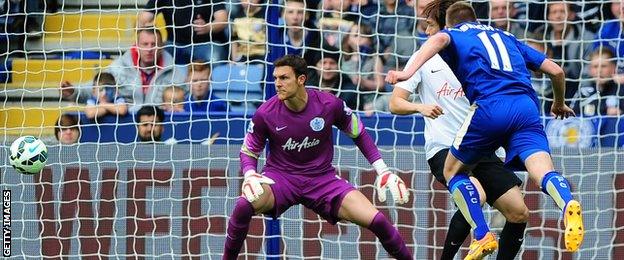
[389,237]
[466,198]
[237,228]
[558,188]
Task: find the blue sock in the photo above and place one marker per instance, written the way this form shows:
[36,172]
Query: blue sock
[558,188]
[466,197]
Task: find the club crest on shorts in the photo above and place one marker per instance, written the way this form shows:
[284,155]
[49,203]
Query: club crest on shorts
[317,124]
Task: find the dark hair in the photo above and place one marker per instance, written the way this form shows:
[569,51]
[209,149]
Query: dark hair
[569,6]
[460,12]
[436,10]
[328,51]
[65,121]
[603,51]
[150,111]
[104,79]
[298,64]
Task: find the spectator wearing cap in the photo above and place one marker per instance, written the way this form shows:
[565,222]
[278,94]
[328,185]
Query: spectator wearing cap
[66,129]
[327,76]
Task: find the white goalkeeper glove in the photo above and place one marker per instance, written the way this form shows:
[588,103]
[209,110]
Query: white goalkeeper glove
[252,185]
[387,180]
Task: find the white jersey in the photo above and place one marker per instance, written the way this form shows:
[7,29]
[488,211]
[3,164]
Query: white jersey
[435,83]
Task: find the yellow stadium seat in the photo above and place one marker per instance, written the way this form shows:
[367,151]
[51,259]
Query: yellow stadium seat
[94,27]
[36,121]
[34,73]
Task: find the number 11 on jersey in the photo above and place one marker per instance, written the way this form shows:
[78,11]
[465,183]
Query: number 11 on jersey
[492,52]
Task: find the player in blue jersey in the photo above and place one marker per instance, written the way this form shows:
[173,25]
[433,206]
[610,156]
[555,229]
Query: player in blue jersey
[491,65]
[444,108]
[297,123]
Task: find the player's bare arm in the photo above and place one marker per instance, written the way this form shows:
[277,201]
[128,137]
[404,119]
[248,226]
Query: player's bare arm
[400,105]
[557,77]
[430,48]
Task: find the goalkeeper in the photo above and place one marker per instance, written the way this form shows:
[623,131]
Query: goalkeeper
[438,88]
[298,125]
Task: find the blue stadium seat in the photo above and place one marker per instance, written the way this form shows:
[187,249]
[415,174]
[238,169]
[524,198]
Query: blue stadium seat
[6,66]
[240,84]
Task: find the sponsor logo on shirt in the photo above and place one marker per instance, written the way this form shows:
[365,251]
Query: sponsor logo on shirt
[317,124]
[448,91]
[304,144]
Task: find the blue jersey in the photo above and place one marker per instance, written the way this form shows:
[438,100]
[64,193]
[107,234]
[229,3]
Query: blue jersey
[490,62]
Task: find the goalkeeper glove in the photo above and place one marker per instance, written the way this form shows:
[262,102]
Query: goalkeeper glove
[387,180]
[252,185]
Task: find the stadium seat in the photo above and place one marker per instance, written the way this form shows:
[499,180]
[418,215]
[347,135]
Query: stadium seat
[97,4]
[5,71]
[35,73]
[240,84]
[109,31]
[31,120]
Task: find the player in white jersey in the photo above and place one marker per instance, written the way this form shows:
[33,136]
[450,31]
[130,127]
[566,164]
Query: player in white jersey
[445,107]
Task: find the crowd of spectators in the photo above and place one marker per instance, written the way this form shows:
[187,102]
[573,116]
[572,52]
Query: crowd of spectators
[349,45]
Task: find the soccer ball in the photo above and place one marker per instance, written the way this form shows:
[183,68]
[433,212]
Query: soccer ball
[28,155]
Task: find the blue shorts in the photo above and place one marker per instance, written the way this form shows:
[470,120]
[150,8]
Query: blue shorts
[512,122]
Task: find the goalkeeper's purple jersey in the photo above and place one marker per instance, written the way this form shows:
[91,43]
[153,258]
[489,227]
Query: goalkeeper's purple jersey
[299,142]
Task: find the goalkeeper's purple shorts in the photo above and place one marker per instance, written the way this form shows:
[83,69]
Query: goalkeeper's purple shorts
[321,193]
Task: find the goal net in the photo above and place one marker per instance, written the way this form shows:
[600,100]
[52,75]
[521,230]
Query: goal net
[105,193]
